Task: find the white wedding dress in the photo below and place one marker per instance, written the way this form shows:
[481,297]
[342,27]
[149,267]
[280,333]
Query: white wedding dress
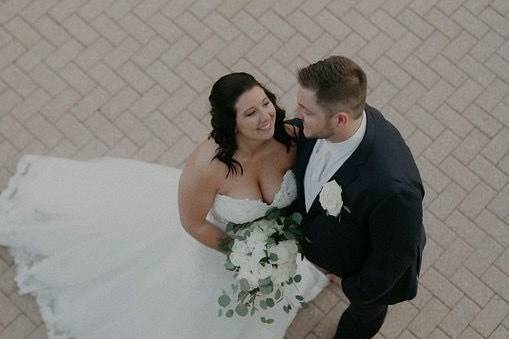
[100,246]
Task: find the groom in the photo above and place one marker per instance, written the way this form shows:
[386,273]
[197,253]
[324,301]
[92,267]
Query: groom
[360,193]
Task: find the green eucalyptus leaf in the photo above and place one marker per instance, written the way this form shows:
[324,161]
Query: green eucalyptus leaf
[297,278]
[241,310]
[224,300]
[273,213]
[244,284]
[296,218]
[229,227]
[242,295]
[270,302]
[267,289]
[299,297]
[228,265]
[229,313]
[265,282]
[290,236]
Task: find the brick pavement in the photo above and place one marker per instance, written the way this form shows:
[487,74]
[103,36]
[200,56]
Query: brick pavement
[83,79]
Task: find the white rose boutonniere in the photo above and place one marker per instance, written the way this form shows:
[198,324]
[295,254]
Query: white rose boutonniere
[331,199]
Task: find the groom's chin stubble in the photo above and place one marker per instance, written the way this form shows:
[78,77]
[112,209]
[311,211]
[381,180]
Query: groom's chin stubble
[318,135]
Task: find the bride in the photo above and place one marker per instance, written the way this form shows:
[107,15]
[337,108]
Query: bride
[106,245]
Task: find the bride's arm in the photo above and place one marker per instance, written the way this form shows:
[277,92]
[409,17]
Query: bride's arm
[198,186]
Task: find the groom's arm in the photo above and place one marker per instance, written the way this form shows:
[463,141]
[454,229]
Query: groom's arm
[395,228]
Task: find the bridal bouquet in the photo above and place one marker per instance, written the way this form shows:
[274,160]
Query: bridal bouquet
[263,255]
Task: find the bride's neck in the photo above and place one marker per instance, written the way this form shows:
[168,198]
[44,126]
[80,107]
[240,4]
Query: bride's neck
[249,148]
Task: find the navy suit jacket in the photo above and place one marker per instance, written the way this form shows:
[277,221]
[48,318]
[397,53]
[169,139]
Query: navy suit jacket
[376,247]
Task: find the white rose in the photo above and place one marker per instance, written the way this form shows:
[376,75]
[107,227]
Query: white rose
[252,270]
[249,275]
[266,226]
[240,246]
[283,272]
[238,259]
[257,239]
[286,251]
[239,255]
[330,198]
[263,272]
[255,257]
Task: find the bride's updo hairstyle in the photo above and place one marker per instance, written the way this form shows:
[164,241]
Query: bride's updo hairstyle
[223,96]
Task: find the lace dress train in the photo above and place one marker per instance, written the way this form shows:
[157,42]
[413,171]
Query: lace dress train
[100,246]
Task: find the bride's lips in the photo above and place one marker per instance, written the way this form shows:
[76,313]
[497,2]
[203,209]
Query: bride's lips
[265,126]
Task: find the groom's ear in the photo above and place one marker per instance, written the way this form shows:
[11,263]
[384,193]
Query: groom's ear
[341,118]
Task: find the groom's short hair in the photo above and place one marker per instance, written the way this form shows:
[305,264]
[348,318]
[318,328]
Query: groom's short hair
[339,83]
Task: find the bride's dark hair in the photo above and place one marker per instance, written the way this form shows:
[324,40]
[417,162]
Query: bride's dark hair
[222,98]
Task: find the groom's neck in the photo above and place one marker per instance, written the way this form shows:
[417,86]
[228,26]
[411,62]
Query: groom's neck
[347,131]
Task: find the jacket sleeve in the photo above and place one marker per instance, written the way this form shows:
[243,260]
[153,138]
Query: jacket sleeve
[394,231]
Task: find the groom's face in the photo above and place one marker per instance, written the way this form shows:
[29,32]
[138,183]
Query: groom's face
[316,120]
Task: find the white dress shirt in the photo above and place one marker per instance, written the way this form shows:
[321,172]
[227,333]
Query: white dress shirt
[326,159]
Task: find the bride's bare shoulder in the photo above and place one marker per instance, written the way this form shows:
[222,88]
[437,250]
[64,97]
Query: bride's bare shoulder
[202,162]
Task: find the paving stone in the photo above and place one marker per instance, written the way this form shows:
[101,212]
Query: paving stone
[429,317]
[21,327]
[84,79]
[497,281]
[398,319]
[490,317]
[485,254]
[473,287]
[476,200]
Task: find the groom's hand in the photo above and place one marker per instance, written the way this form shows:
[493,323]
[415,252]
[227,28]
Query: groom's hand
[335,280]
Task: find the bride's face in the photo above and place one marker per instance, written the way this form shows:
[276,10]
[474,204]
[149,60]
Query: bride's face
[256,115]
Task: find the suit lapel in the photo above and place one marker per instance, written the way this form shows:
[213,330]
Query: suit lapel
[351,168]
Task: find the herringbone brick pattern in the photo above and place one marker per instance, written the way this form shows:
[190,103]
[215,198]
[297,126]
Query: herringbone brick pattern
[130,78]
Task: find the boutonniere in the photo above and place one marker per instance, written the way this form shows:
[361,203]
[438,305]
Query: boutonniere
[332,200]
